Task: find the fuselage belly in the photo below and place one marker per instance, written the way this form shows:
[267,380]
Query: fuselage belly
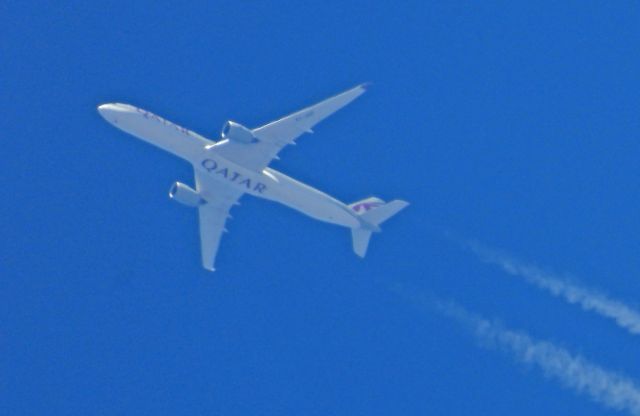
[268,184]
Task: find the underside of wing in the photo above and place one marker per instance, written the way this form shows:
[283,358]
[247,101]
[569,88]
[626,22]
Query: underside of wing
[272,137]
[287,129]
[213,215]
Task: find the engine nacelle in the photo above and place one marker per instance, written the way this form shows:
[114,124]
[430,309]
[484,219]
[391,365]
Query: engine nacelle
[237,133]
[183,194]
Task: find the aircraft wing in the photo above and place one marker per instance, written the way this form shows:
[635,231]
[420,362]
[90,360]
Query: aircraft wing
[272,137]
[213,215]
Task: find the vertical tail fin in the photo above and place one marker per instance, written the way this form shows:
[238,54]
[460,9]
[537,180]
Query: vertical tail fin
[373,212]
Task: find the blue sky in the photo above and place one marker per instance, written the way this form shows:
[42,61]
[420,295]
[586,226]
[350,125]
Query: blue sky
[515,125]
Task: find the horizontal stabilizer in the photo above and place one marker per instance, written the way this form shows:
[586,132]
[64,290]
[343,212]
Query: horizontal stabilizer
[360,238]
[382,213]
[373,212]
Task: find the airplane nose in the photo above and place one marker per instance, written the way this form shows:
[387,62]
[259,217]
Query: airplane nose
[108,112]
[104,108]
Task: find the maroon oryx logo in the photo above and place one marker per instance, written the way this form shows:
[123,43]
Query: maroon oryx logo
[365,206]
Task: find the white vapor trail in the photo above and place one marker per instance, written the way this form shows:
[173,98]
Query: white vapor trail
[603,386]
[588,299]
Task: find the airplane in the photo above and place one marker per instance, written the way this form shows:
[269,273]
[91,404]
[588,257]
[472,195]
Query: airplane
[238,164]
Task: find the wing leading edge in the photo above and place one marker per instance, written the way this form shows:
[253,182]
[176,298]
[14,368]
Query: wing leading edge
[272,137]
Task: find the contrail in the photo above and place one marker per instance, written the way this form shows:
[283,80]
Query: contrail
[603,386]
[588,299]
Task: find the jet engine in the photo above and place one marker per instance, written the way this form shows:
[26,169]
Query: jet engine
[183,194]
[237,133]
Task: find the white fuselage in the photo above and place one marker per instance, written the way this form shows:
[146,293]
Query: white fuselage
[268,183]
